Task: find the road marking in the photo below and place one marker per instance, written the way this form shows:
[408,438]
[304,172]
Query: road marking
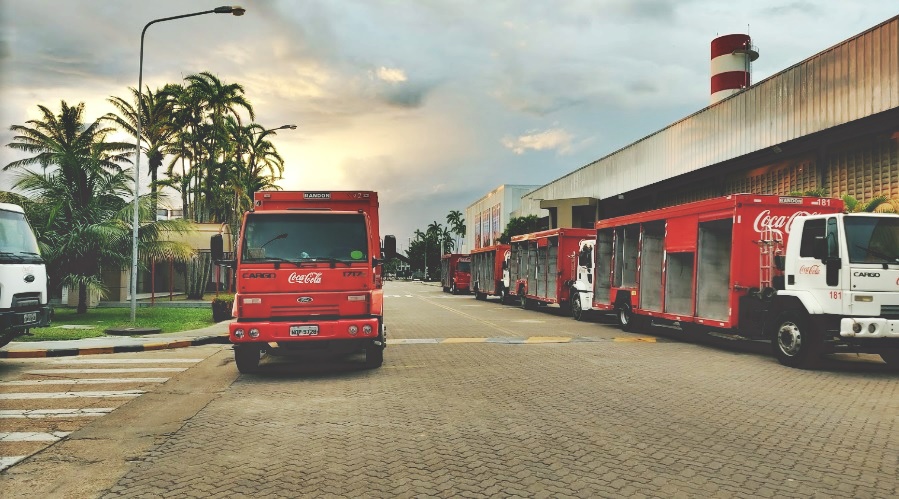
[7,461]
[548,339]
[114,370]
[514,340]
[54,413]
[83,381]
[88,360]
[70,395]
[20,436]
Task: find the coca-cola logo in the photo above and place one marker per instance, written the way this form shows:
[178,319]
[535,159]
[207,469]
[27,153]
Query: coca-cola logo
[779,224]
[810,269]
[310,278]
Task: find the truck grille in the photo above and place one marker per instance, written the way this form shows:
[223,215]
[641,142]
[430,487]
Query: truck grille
[26,300]
[890,311]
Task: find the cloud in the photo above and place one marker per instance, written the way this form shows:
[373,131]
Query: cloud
[556,138]
[391,75]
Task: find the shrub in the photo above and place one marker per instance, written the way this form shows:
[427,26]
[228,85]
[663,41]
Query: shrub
[221,307]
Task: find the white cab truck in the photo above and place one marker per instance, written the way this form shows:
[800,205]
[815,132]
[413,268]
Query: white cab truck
[582,289]
[23,277]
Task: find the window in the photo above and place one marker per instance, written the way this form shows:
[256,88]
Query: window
[812,231]
[305,237]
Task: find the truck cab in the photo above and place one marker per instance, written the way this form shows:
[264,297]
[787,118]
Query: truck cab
[841,282]
[582,288]
[23,276]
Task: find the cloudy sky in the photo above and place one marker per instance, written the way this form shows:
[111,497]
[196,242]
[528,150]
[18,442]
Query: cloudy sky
[433,103]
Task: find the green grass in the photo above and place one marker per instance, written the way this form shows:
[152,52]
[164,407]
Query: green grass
[170,320]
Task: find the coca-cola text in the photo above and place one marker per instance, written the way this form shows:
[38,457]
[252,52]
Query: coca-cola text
[309,278]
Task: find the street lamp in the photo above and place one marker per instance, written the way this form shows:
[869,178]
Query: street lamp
[234,10]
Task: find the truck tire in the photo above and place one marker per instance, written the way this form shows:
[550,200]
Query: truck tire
[624,316]
[890,356]
[247,358]
[794,343]
[577,313]
[480,296]
[374,356]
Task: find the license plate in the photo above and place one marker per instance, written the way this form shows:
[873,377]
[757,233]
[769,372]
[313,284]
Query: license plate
[29,317]
[304,330]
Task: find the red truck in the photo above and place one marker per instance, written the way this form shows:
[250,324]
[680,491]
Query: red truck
[308,276]
[791,269]
[490,272]
[455,273]
[542,265]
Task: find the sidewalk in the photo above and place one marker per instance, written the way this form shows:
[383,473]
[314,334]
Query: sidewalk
[217,333]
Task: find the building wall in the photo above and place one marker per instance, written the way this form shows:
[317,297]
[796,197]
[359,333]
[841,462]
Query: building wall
[486,218]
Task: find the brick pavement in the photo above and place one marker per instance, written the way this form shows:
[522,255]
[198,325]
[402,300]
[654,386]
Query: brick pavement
[576,419]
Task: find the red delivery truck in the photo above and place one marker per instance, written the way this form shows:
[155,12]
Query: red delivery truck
[455,272]
[542,265]
[308,276]
[791,269]
[490,272]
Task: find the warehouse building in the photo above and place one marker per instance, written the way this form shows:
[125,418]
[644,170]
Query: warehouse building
[828,124]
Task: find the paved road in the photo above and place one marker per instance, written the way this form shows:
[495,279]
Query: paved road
[478,399]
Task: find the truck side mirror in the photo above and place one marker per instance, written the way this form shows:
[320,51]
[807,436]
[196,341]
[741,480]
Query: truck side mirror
[389,246]
[217,247]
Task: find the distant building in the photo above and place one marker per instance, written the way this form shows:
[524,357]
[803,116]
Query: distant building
[486,218]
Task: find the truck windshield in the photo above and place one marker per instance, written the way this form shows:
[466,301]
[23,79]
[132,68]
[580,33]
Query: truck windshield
[17,241]
[464,267]
[305,237]
[873,239]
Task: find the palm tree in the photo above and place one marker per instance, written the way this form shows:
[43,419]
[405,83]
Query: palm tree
[219,100]
[80,183]
[83,217]
[456,224]
[877,204]
[156,126]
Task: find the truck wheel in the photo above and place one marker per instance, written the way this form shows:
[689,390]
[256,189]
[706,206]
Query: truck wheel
[794,343]
[576,311]
[890,356]
[624,315]
[374,356]
[247,358]
[480,296]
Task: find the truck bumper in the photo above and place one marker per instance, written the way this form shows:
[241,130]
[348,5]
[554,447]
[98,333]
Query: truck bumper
[869,327]
[366,328]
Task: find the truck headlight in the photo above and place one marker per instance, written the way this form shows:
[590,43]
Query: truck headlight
[353,330]
[856,327]
[238,333]
[872,328]
[254,333]
[366,329]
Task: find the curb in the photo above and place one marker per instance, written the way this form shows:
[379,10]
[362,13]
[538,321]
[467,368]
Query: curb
[69,352]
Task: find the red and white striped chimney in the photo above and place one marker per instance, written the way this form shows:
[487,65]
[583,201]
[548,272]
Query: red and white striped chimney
[732,56]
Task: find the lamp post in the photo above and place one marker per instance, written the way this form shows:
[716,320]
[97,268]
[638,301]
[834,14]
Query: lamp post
[234,10]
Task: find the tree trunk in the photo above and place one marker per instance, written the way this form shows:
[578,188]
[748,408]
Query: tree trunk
[82,299]
[198,271]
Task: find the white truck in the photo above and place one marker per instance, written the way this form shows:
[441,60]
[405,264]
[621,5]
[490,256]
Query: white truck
[23,276]
[582,288]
